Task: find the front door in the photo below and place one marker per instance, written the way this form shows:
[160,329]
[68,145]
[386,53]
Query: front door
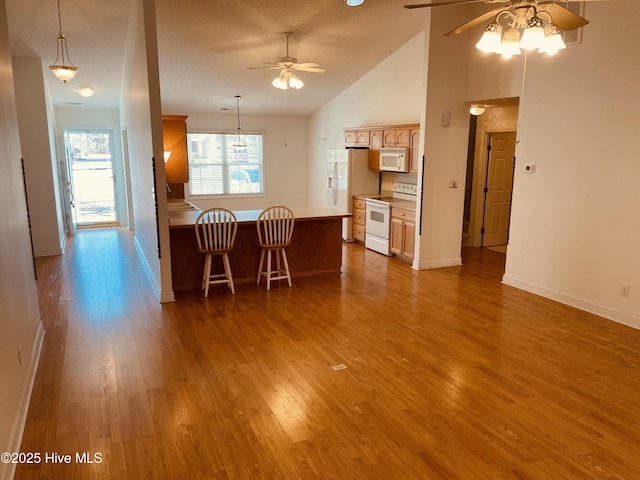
[91,182]
[499,187]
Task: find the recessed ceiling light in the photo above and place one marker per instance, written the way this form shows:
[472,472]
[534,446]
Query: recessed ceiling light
[86,91]
[353,3]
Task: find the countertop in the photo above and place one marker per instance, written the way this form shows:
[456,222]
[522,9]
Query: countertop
[187,218]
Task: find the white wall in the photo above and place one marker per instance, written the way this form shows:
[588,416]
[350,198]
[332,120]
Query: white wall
[285,157]
[140,115]
[20,324]
[102,119]
[389,94]
[38,149]
[575,221]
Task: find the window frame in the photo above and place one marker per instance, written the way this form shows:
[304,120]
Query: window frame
[205,196]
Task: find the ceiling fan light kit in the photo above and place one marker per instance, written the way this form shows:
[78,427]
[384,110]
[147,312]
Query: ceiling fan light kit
[286,79]
[522,25]
[535,34]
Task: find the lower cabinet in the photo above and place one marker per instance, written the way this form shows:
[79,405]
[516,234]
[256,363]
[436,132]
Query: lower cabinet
[359,216]
[403,232]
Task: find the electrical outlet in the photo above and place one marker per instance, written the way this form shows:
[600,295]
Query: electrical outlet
[624,290]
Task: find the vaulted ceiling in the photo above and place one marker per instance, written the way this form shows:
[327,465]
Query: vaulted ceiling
[205,47]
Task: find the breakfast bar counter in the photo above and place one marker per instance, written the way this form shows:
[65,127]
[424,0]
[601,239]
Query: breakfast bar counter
[316,246]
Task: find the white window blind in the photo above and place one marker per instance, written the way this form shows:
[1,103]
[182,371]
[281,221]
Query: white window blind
[219,166]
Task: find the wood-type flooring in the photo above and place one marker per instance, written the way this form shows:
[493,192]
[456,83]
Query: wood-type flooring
[449,375]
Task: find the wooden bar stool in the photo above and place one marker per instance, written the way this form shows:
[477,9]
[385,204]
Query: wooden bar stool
[216,232]
[275,228]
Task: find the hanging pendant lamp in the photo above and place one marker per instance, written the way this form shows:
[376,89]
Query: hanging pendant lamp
[240,141]
[61,70]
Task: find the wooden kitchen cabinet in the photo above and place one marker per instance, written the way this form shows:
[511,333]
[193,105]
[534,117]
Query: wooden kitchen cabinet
[174,137]
[403,231]
[359,217]
[375,144]
[356,138]
[397,137]
[414,154]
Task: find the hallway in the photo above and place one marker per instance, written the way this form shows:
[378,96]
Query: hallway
[450,375]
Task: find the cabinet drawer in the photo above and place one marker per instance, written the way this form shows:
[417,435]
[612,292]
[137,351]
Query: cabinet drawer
[359,204]
[403,214]
[359,232]
[359,216]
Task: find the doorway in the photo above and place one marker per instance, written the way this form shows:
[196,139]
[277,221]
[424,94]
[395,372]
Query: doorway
[91,184]
[498,190]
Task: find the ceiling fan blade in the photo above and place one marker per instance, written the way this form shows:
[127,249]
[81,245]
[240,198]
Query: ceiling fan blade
[276,67]
[308,69]
[476,21]
[565,19]
[305,65]
[453,2]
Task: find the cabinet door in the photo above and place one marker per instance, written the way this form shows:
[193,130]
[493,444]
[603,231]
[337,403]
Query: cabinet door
[389,138]
[375,144]
[362,138]
[408,247]
[414,155]
[397,236]
[350,138]
[174,138]
[403,137]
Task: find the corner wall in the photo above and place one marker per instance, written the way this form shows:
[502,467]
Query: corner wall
[575,221]
[35,120]
[140,115]
[21,330]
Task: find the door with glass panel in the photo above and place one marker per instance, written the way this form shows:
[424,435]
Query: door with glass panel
[91,180]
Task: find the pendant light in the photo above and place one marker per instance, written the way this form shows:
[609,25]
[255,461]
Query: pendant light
[61,70]
[240,141]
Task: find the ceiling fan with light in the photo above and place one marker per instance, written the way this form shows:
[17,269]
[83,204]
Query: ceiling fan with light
[519,24]
[286,78]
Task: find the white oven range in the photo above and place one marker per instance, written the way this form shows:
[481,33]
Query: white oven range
[378,216]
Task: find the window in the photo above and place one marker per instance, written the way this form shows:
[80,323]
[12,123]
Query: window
[217,167]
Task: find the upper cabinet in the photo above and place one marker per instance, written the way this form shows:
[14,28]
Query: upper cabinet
[397,137]
[356,138]
[174,136]
[375,138]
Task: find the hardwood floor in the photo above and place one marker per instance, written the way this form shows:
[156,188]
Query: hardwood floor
[450,375]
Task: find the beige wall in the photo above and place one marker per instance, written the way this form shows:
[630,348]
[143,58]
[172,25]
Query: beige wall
[285,157]
[36,123]
[575,221]
[140,115]
[20,326]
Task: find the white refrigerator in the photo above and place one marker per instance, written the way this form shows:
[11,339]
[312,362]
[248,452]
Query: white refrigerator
[348,174]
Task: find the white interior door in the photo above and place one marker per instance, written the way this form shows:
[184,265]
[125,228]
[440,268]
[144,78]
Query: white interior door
[499,188]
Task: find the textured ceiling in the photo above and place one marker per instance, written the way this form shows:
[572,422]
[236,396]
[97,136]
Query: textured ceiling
[205,47]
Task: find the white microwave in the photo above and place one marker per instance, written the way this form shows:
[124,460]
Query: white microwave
[394,160]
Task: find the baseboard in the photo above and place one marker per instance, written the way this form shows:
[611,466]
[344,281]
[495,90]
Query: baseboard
[15,440]
[48,253]
[147,270]
[605,312]
[447,262]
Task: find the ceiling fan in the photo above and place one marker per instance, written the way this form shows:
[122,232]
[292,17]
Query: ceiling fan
[522,20]
[287,64]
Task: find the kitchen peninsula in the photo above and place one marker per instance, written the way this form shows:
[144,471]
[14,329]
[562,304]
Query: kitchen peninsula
[316,246]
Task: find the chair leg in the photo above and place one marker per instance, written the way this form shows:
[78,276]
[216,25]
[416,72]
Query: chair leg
[227,271]
[269,270]
[260,266]
[286,266]
[206,276]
